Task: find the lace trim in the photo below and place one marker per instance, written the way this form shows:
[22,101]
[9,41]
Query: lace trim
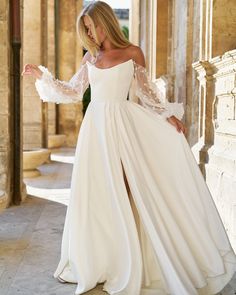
[57,91]
[152,98]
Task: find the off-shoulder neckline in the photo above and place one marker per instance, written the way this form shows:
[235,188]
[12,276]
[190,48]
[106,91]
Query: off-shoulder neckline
[122,63]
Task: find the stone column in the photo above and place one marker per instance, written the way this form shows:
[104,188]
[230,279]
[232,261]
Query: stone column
[5,106]
[79,49]
[69,115]
[201,67]
[134,22]
[152,13]
[171,48]
[148,12]
[44,61]
[192,55]
[134,35]
[223,26]
[183,48]
[218,27]
[206,97]
[8,142]
[162,37]
[206,29]
[32,53]
[51,62]
[179,38]
[143,28]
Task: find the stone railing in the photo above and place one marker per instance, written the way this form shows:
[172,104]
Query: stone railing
[217,133]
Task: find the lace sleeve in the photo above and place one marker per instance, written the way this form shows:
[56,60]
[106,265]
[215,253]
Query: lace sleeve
[54,90]
[152,98]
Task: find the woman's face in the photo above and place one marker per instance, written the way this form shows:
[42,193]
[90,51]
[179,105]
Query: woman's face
[100,34]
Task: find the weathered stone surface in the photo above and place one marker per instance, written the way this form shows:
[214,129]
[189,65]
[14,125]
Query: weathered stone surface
[219,115]
[70,115]
[162,38]
[225,107]
[30,241]
[3,9]
[32,116]
[4,131]
[4,102]
[223,26]
[51,58]
[3,181]
[3,203]
[3,162]
[5,111]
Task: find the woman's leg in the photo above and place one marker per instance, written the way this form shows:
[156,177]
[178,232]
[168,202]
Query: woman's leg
[133,206]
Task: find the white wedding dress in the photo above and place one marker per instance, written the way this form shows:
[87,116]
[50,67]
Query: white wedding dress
[167,236]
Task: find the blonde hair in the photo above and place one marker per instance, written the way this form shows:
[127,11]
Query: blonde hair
[100,13]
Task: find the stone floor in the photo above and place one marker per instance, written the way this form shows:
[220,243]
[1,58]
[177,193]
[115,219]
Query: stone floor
[30,249]
[30,236]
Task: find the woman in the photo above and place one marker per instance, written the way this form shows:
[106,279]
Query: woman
[168,238]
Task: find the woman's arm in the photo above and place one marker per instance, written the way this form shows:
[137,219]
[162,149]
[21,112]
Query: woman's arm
[54,90]
[151,97]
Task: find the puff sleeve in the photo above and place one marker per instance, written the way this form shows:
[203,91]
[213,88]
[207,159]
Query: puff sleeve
[54,90]
[152,98]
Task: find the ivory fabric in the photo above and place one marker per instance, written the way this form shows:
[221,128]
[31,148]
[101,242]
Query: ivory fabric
[166,237]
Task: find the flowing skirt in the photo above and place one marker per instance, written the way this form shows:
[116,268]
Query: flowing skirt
[166,237]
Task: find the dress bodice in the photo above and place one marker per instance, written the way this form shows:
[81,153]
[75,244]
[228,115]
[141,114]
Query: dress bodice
[112,83]
[108,85]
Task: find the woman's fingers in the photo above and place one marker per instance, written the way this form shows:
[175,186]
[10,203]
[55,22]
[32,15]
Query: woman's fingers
[178,125]
[183,129]
[31,70]
[27,70]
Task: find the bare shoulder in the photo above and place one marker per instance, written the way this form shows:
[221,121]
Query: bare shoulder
[136,53]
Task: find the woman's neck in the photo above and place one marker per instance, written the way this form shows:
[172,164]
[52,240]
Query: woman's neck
[107,46]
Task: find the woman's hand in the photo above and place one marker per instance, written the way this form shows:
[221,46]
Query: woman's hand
[178,124]
[32,70]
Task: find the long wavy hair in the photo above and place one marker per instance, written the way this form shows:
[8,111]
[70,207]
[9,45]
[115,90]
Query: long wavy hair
[100,13]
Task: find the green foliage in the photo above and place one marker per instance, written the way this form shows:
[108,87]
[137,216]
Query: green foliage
[125,31]
[86,99]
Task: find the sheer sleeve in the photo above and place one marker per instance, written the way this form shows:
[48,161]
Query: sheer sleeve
[152,98]
[54,90]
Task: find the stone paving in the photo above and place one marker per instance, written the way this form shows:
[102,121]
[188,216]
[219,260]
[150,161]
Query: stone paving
[30,249]
[30,238]
[30,234]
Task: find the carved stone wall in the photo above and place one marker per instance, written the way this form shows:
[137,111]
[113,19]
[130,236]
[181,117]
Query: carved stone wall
[221,166]
[218,141]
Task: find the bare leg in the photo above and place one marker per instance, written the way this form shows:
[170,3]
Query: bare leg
[133,206]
